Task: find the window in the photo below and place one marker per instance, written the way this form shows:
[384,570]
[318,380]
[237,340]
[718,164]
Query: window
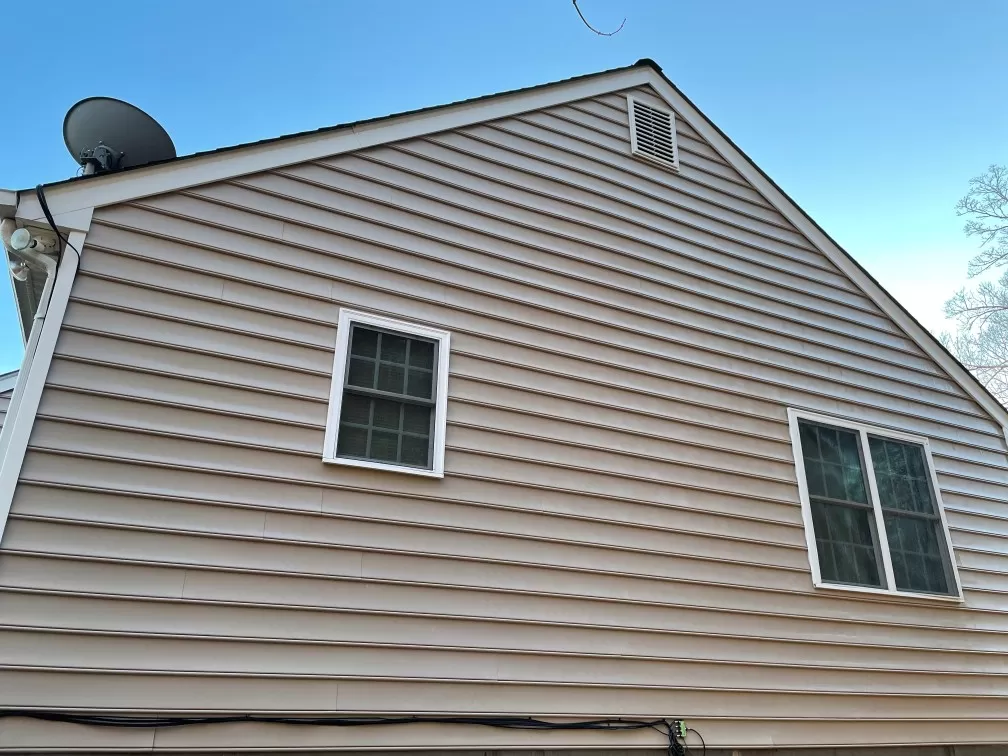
[653,134]
[873,514]
[389,395]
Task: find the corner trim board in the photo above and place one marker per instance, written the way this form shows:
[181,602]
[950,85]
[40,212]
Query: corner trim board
[32,377]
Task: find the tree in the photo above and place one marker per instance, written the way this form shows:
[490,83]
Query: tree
[981,313]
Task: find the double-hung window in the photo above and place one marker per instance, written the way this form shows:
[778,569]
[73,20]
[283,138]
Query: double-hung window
[873,513]
[389,395]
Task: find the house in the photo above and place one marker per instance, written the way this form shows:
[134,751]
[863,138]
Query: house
[7,383]
[547,405]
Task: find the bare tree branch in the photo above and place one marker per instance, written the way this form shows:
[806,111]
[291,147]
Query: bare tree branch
[986,203]
[600,33]
[981,314]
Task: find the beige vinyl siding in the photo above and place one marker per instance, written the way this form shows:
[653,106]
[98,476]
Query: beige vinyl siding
[5,400]
[618,532]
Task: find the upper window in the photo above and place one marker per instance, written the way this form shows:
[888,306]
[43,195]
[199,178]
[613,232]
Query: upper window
[873,513]
[652,133]
[389,395]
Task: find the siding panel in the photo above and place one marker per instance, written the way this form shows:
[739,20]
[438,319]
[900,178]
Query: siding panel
[618,532]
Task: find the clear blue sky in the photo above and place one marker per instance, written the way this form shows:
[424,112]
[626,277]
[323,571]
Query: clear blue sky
[872,115]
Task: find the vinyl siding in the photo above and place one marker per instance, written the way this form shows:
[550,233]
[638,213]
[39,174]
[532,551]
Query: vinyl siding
[618,532]
[5,400]
[7,379]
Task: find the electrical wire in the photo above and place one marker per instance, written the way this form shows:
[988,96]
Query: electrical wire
[65,242]
[702,743]
[669,728]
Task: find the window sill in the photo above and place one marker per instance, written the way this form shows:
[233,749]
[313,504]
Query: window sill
[864,590]
[369,465]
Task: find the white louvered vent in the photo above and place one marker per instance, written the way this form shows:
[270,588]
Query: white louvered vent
[652,133]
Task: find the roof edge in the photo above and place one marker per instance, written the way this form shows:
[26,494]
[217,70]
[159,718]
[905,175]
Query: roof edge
[73,200]
[840,257]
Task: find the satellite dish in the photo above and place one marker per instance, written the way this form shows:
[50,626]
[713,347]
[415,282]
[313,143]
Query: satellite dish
[104,134]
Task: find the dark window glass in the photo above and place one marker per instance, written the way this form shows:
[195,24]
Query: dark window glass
[365,342]
[842,516]
[388,398]
[913,527]
[390,378]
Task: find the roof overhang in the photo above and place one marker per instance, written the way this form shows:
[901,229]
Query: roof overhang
[73,201]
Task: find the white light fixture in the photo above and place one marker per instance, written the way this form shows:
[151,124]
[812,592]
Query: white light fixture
[20,271]
[20,240]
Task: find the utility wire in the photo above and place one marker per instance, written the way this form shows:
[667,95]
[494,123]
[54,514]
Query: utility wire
[600,33]
[671,729]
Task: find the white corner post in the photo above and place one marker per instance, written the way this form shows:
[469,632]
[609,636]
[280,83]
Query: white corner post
[34,371]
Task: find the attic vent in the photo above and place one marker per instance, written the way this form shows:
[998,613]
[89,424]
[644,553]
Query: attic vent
[652,134]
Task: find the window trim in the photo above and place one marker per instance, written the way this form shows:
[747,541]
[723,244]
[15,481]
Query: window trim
[864,430]
[340,359]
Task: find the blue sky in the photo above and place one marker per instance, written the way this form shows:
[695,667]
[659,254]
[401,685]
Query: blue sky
[872,115]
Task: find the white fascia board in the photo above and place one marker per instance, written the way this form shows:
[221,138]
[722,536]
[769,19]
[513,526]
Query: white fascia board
[8,203]
[828,247]
[173,176]
[29,212]
[73,202]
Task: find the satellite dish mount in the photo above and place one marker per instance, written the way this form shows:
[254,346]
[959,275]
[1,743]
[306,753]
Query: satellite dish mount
[100,159]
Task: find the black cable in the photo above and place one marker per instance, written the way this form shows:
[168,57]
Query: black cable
[668,728]
[65,242]
[702,743]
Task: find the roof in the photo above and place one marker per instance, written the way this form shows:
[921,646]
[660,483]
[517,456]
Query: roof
[73,200]
[8,381]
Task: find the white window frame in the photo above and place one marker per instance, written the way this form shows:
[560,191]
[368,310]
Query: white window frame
[443,339]
[635,150]
[863,430]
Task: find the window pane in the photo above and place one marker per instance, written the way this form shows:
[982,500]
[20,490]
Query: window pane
[416,419]
[374,425]
[393,348]
[914,545]
[855,485]
[845,535]
[352,441]
[365,342]
[420,383]
[356,409]
[840,473]
[815,478]
[829,445]
[390,378]
[384,446]
[361,372]
[902,476]
[834,477]
[414,450]
[846,544]
[422,355]
[809,441]
[386,414]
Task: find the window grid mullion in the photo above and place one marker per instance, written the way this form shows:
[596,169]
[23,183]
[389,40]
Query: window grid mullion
[883,536]
[377,358]
[378,394]
[370,427]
